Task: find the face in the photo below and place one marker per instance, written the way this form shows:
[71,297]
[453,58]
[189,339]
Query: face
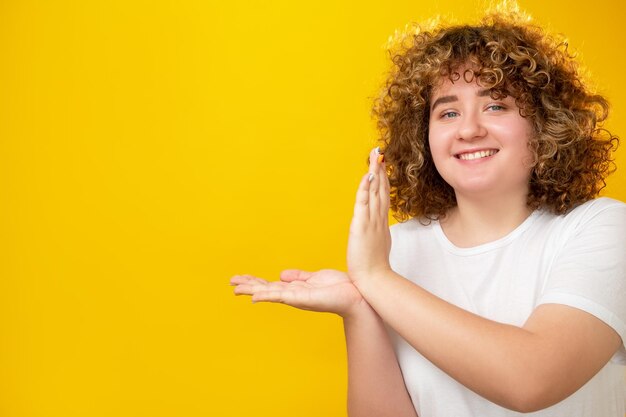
[479,145]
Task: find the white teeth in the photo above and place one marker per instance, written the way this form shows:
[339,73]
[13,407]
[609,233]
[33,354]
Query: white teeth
[476,155]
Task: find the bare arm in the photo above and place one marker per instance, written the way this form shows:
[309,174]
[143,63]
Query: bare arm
[521,368]
[375,384]
[524,369]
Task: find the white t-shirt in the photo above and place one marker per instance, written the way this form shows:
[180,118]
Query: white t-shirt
[578,259]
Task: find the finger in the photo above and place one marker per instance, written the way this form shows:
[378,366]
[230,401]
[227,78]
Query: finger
[362,206]
[302,284]
[284,296]
[361,210]
[274,296]
[244,289]
[242,279]
[374,186]
[384,192]
[239,279]
[289,275]
[248,289]
[256,287]
[373,166]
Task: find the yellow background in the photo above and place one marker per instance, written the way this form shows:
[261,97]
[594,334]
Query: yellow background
[149,150]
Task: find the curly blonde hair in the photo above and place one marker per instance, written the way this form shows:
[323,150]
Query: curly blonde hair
[572,154]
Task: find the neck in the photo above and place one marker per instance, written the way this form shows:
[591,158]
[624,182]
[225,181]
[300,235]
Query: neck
[477,221]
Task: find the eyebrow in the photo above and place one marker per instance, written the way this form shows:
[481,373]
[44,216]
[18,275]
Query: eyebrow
[450,99]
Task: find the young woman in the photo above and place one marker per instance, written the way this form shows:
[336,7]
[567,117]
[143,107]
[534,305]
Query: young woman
[503,288]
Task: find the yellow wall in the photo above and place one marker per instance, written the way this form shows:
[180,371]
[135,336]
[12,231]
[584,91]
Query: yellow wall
[151,149]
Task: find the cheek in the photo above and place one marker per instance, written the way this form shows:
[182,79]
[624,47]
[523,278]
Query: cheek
[435,149]
[521,128]
[436,140]
[438,154]
[523,147]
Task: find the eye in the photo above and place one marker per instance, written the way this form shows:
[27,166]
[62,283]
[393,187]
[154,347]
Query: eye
[496,107]
[449,114]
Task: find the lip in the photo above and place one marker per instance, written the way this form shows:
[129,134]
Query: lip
[491,151]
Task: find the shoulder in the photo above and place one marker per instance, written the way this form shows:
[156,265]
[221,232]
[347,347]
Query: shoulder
[599,205]
[596,222]
[600,211]
[588,269]
[597,226]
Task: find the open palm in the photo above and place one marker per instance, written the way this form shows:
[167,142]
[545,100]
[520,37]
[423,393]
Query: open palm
[326,290]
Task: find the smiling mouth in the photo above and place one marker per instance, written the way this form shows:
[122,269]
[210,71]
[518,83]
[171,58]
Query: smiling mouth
[476,155]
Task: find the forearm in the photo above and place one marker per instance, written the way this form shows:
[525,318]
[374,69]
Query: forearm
[375,384]
[495,360]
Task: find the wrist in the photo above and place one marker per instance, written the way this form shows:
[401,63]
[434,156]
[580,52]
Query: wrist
[362,279]
[357,311]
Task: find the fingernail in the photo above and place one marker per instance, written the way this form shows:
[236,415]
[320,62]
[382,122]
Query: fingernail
[377,149]
[370,178]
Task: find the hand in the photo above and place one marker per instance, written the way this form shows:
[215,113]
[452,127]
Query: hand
[326,290]
[369,243]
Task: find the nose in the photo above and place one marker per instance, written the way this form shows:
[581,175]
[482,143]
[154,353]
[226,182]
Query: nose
[471,127]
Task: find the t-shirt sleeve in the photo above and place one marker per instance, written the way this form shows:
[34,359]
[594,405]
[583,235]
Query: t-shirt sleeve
[589,272]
